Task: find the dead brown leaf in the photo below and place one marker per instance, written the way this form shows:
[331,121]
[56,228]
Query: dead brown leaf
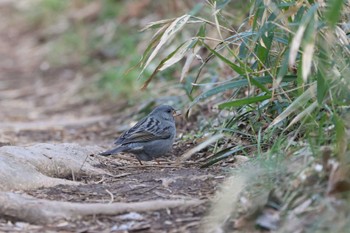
[339,179]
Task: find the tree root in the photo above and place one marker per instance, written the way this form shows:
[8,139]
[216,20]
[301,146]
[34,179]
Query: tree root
[39,211]
[42,165]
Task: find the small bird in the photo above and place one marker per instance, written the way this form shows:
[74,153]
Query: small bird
[152,137]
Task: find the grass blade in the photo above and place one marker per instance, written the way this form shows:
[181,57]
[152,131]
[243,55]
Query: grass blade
[295,105]
[304,113]
[334,8]
[245,101]
[237,84]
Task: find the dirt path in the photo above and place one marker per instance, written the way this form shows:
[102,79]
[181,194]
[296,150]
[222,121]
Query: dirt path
[39,104]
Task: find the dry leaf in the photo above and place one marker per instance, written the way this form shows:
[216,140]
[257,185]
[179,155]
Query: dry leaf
[339,180]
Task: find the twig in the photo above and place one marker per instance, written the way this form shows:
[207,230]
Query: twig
[120,175]
[200,147]
[150,166]
[112,197]
[73,176]
[83,163]
[100,181]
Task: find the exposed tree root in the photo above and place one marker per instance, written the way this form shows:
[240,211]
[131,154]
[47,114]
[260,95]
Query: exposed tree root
[38,211]
[42,165]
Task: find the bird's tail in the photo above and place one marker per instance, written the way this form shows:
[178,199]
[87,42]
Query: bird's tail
[113,151]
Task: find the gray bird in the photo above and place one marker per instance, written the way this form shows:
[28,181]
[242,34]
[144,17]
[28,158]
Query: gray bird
[152,137]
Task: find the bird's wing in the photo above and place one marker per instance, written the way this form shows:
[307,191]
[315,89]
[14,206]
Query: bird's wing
[148,129]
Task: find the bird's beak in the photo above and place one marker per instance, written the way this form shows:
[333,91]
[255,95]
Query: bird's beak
[176,113]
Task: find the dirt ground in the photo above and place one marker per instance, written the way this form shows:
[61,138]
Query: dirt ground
[43,105]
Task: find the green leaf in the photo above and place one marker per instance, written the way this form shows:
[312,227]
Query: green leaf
[237,84]
[202,31]
[240,36]
[197,8]
[220,4]
[283,69]
[300,83]
[300,14]
[259,85]
[233,66]
[295,105]
[243,49]
[219,89]
[265,38]
[157,24]
[304,113]
[322,87]
[334,8]
[245,101]
[281,40]
[341,137]
[260,8]
[223,154]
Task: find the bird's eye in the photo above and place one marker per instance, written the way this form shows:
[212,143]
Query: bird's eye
[168,111]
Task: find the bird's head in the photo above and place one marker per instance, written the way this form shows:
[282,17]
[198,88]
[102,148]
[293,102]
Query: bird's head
[165,112]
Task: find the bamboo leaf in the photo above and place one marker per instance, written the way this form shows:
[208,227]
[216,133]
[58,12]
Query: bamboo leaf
[168,34]
[282,70]
[171,59]
[306,112]
[307,60]
[334,11]
[154,41]
[220,4]
[295,105]
[322,86]
[188,63]
[341,137]
[256,83]
[263,46]
[199,147]
[178,54]
[245,101]
[202,31]
[296,42]
[197,8]
[157,24]
[237,84]
[233,66]
[223,154]
[308,48]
